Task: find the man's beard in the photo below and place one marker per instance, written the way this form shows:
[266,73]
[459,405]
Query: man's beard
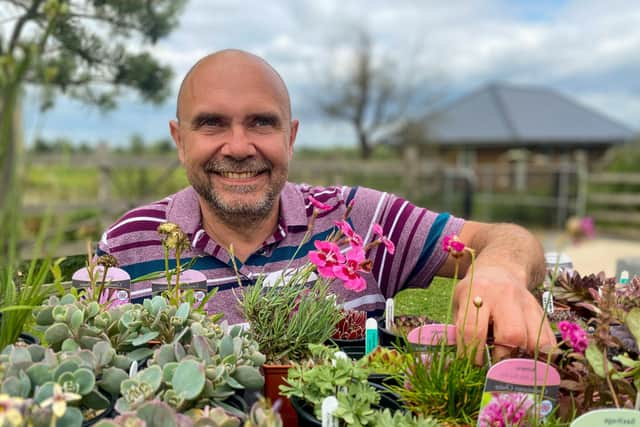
[235,212]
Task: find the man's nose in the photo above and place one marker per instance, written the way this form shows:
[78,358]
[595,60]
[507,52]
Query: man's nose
[238,144]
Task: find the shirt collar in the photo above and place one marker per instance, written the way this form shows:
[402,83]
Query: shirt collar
[184,209]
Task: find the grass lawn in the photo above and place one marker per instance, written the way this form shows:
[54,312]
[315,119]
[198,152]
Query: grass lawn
[432,301]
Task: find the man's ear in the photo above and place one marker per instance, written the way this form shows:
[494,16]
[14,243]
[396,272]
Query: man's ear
[292,137]
[174,128]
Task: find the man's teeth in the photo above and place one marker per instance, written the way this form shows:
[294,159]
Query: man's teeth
[239,175]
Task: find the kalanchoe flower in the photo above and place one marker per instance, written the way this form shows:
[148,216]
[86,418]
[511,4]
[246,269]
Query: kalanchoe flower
[574,335]
[377,231]
[354,238]
[58,401]
[453,245]
[318,204]
[10,413]
[506,409]
[326,257]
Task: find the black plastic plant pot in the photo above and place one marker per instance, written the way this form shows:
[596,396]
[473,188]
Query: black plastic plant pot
[358,342]
[28,338]
[389,339]
[355,352]
[109,412]
[306,418]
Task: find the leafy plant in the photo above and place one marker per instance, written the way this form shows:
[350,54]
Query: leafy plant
[443,384]
[328,374]
[287,317]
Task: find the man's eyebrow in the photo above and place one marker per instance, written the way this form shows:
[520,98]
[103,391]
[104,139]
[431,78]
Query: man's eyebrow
[265,115]
[199,119]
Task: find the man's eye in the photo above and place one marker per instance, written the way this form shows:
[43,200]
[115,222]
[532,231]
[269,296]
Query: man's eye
[264,122]
[210,122]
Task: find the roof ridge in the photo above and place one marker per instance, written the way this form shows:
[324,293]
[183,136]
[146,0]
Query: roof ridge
[504,112]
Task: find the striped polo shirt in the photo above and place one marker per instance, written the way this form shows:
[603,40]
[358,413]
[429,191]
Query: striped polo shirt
[416,232]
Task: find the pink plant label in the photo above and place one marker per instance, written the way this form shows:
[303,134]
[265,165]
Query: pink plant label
[608,417]
[189,279]
[117,284]
[516,390]
[432,334]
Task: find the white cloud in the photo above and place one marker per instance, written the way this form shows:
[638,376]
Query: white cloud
[585,48]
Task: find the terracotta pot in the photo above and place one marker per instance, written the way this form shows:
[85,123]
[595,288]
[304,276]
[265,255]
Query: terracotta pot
[274,376]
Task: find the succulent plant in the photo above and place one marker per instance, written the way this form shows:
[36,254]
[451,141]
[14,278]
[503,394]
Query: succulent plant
[573,288]
[137,390]
[351,326]
[205,370]
[71,324]
[262,414]
[36,372]
[384,360]
[157,413]
[404,323]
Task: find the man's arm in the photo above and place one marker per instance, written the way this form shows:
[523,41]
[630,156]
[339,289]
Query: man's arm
[509,261]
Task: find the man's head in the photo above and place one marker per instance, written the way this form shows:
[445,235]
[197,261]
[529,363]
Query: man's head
[235,134]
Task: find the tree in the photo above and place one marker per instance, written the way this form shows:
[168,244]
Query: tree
[80,48]
[370,94]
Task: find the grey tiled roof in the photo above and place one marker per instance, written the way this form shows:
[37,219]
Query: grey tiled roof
[500,114]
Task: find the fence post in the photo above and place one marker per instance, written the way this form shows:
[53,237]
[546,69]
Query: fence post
[104,183]
[582,178]
[410,176]
[562,196]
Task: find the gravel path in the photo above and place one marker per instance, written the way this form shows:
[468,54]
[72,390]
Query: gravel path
[595,255]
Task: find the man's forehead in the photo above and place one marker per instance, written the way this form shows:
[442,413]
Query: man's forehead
[233,78]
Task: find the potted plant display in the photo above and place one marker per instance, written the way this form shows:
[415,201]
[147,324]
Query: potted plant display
[296,311]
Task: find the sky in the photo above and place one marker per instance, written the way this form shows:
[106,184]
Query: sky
[585,49]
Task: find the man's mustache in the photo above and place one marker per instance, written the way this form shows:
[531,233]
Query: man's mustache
[237,166]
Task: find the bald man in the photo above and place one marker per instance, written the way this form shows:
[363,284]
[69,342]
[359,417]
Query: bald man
[235,134]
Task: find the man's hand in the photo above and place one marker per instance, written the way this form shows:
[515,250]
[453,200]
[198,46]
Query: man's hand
[517,318]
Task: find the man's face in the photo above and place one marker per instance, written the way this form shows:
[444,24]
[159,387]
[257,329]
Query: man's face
[235,138]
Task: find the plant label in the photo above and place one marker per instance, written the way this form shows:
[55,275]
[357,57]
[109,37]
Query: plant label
[434,334]
[371,335]
[518,389]
[608,417]
[389,314]
[117,284]
[329,406]
[547,302]
[193,280]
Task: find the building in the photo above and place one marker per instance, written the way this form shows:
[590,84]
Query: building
[507,123]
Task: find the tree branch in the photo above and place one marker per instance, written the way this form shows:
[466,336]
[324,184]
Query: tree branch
[17,29]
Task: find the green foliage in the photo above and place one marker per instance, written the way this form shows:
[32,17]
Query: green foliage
[443,384]
[86,52]
[35,372]
[288,316]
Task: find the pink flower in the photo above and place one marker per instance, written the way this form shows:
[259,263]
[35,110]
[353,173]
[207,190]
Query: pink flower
[319,205]
[388,244]
[354,238]
[348,271]
[588,227]
[453,245]
[326,257]
[506,409]
[574,335]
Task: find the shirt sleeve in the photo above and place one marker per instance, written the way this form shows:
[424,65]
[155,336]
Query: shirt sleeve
[416,232]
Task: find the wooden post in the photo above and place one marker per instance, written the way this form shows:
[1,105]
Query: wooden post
[562,197]
[410,177]
[104,183]
[582,178]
